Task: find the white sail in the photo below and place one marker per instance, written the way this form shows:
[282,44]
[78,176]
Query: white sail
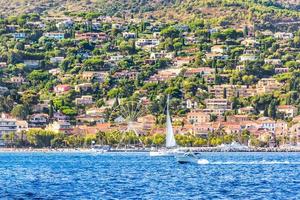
[170,138]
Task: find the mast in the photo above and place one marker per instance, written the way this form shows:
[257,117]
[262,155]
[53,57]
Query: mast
[170,138]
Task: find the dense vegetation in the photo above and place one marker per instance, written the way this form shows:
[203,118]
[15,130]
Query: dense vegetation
[126,70]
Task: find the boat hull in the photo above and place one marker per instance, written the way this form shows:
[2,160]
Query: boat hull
[183,159]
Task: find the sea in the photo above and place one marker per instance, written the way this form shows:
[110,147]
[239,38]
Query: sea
[139,176]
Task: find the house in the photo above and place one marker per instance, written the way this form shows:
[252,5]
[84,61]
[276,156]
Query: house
[38,120]
[22,126]
[200,129]
[19,36]
[196,116]
[55,71]
[54,35]
[164,75]
[231,127]
[280,70]
[126,74]
[147,42]
[32,64]
[190,40]
[246,110]
[92,37]
[159,55]
[228,91]
[267,123]
[288,110]
[17,79]
[128,35]
[238,118]
[191,104]
[283,35]
[249,42]
[218,49]
[267,85]
[180,61]
[90,119]
[3,65]
[60,127]
[92,75]
[248,57]
[59,116]
[217,106]
[275,62]
[294,132]
[83,87]
[7,125]
[56,60]
[59,89]
[195,71]
[68,23]
[216,56]
[84,100]
[281,128]
[96,111]
[116,58]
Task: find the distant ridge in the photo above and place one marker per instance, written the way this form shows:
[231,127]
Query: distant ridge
[233,10]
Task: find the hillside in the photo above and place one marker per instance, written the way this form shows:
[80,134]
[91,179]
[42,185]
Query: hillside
[235,11]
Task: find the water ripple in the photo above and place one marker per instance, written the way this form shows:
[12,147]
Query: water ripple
[138,176]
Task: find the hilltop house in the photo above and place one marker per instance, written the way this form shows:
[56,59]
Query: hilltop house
[93,75]
[147,42]
[54,35]
[288,110]
[83,87]
[128,35]
[59,89]
[3,64]
[283,35]
[17,79]
[38,120]
[84,100]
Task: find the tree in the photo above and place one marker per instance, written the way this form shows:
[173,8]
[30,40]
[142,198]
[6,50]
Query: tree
[272,109]
[20,111]
[170,32]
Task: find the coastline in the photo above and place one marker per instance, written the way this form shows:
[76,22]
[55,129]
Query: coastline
[88,150]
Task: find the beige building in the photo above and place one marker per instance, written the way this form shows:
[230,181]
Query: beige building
[197,116]
[288,110]
[267,85]
[222,91]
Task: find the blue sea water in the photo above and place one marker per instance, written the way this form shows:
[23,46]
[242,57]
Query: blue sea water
[138,176]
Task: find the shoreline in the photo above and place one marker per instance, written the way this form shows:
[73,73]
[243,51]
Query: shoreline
[88,150]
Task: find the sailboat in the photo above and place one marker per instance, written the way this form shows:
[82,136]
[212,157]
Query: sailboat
[171,145]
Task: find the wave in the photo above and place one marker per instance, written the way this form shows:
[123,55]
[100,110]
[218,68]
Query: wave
[262,162]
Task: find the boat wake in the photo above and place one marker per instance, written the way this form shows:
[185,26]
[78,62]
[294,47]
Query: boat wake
[262,162]
[203,162]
